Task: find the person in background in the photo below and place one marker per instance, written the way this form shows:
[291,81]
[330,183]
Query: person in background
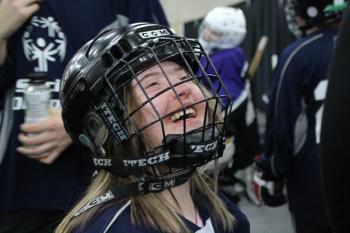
[295,108]
[221,32]
[41,176]
[131,95]
[335,134]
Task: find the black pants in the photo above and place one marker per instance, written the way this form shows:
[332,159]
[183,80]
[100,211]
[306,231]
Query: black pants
[30,221]
[302,226]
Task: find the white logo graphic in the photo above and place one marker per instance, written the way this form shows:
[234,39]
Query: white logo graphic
[95,202]
[154,33]
[103,162]
[149,161]
[50,44]
[157,186]
[204,148]
[118,130]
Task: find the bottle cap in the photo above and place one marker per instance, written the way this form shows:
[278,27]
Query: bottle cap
[37,77]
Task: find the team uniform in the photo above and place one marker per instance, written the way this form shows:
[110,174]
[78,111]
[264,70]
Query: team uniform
[46,43]
[293,122]
[116,218]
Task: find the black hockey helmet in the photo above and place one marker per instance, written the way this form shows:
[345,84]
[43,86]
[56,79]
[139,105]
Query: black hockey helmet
[314,12]
[99,113]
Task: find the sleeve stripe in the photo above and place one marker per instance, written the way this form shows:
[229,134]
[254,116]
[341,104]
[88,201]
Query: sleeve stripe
[115,217]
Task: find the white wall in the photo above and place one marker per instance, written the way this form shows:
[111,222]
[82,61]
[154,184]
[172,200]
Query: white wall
[180,11]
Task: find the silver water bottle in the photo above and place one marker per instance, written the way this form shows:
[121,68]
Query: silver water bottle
[37,98]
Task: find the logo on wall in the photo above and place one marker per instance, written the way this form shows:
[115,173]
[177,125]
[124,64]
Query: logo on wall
[44,42]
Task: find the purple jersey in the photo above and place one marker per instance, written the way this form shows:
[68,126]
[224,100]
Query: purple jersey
[229,63]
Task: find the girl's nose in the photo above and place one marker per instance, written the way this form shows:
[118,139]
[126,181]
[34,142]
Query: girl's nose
[183,91]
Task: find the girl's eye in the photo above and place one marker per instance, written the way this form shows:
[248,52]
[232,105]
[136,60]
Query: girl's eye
[183,78]
[152,84]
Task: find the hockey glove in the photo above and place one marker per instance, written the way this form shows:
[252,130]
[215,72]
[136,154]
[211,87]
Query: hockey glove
[269,190]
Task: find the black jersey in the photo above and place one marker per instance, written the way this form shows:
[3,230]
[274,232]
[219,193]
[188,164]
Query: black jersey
[46,43]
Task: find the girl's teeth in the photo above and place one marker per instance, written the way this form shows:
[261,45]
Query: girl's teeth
[179,114]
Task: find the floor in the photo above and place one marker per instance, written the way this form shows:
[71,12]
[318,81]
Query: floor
[267,220]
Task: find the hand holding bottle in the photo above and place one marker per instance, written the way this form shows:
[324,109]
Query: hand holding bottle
[47,140]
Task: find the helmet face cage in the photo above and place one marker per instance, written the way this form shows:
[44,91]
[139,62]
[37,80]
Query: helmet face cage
[222,28]
[153,111]
[291,19]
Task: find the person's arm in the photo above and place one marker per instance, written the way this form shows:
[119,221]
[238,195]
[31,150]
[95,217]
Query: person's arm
[13,14]
[3,74]
[283,109]
[3,51]
[335,134]
[51,138]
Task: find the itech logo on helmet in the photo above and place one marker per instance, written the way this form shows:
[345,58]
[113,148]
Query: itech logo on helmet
[147,161]
[154,33]
[117,128]
[204,148]
[103,162]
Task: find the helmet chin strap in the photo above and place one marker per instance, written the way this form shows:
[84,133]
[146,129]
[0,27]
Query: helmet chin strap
[186,151]
[195,148]
[178,151]
[143,186]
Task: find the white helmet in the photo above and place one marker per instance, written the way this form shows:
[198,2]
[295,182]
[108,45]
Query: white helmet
[223,28]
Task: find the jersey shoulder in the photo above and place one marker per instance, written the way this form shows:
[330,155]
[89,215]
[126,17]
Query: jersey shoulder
[305,47]
[242,222]
[113,216]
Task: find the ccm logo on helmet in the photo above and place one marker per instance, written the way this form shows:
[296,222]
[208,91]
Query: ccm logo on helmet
[103,162]
[154,33]
[204,148]
[157,186]
[147,161]
[118,130]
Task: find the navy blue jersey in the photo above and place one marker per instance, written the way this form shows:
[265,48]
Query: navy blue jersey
[293,121]
[116,218]
[46,43]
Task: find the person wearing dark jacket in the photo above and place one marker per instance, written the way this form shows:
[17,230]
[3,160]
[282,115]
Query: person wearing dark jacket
[38,183]
[294,116]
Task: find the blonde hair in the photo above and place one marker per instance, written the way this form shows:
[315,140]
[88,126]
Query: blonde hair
[151,209]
